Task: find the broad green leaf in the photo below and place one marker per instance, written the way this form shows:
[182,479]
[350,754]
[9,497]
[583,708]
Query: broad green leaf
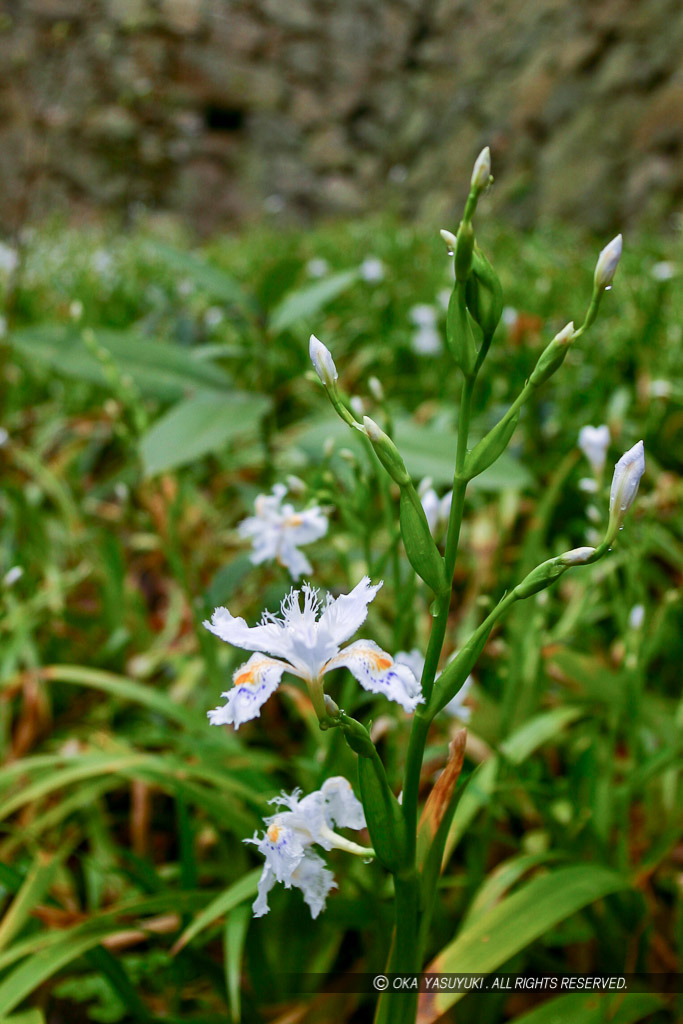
[160,370]
[208,278]
[226,901]
[511,925]
[200,426]
[530,736]
[304,303]
[593,1008]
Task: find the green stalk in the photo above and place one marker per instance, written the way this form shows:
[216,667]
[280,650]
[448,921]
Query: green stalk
[421,720]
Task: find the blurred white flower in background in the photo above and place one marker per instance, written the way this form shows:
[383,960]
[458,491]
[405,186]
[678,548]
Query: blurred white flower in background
[9,259]
[636,616]
[277,531]
[436,509]
[213,317]
[415,661]
[372,270]
[13,575]
[663,271]
[317,267]
[426,339]
[594,442]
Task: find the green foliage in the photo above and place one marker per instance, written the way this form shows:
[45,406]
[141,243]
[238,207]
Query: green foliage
[134,452]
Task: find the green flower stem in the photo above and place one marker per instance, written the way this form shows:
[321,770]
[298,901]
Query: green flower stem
[406,953]
[421,720]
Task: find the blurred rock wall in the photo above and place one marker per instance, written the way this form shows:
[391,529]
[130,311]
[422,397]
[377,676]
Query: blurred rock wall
[220,110]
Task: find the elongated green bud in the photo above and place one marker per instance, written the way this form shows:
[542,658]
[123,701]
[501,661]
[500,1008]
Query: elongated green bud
[456,672]
[459,331]
[484,295]
[553,356]
[607,264]
[421,550]
[383,815]
[387,452]
[481,174]
[464,250]
[323,364]
[357,736]
[545,574]
[490,447]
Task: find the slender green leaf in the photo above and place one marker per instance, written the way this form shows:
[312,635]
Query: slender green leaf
[202,425]
[125,689]
[234,938]
[501,880]
[27,1017]
[508,927]
[538,730]
[42,965]
[477,793]
[36,884]
[593,1008]
[237,893]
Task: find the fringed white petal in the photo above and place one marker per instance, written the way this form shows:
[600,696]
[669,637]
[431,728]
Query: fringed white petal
[342,808]
[377,671]
[343,615]
[254,681]
[266,883]
[269,637]
[314,880]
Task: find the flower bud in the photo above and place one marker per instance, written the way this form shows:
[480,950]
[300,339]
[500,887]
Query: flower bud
[331,706]
[607,264]
[482,170]
[541,577]
[459,331]
[552,357]
[421,550]
[464,251]
[386,451]
[484,295]
[450,240]
[627,473]
[577,556]
[323,362]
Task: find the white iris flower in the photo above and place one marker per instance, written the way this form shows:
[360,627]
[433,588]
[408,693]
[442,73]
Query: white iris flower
[305,641]
[277,531]
[286,843]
